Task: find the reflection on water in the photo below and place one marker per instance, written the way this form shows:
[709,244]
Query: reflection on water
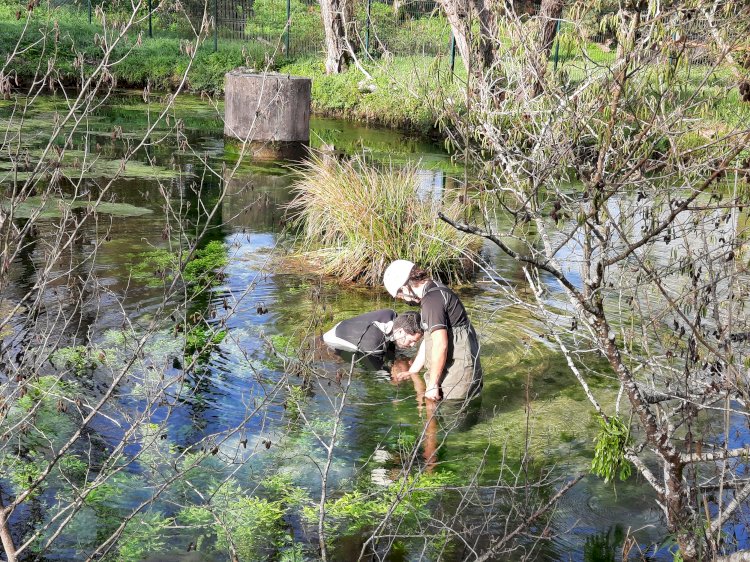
[260,304]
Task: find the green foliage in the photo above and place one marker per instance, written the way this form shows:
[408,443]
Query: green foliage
[161,266]
[196,516]
[73,468]
[158,61]
[254,526]
[77,358]
[202,339]
[354,218]
[293,553]
[406,499]
[339,94]
[143,536]
[207,260]
[23,471]
[101,495]
[281,488]
[295,401]
[609,451]
[200,519]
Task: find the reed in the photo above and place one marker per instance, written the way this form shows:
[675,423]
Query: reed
[351,218]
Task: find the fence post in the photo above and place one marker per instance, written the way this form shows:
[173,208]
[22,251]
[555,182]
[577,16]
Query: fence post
[216,25]
[557,45]
[288,25]
[367,28]
[453,53]
[150,28]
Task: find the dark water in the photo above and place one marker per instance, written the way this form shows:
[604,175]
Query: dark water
[529,395]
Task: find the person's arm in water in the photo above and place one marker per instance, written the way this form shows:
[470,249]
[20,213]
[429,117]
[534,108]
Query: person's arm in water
[416,366]
[437,363]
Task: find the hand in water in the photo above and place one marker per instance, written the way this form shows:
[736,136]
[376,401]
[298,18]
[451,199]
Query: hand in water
[399,371]
[402,376]
[432,393]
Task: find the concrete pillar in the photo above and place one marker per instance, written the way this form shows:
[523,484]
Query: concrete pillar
[270,110]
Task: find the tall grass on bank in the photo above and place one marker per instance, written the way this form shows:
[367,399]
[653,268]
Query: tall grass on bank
[353,218]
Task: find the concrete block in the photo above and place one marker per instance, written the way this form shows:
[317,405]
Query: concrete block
[266,107]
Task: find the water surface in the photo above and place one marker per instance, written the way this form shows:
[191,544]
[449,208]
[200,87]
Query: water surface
[530,400]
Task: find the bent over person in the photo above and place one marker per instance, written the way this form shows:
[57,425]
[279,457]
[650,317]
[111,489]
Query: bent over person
[450,351]
[373,332]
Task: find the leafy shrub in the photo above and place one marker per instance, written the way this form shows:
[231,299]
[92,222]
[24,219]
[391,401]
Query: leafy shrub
[609,453]
[143,537]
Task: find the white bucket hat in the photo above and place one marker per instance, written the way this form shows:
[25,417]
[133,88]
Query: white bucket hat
[396,275]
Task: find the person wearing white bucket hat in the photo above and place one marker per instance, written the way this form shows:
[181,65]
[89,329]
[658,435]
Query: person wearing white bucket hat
[450,349]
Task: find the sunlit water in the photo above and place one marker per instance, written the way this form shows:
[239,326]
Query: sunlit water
[590,522]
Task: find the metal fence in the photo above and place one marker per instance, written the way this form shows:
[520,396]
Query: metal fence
[293,28]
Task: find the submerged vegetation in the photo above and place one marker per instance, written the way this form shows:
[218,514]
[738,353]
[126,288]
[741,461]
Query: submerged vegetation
[199,270]
[353,218]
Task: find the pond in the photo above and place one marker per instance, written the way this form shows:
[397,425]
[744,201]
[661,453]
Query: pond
[246,412]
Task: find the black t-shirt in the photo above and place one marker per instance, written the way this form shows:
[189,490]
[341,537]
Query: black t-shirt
[441,309]
[364,333]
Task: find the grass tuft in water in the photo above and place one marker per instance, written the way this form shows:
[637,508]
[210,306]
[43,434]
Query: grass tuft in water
[353,218]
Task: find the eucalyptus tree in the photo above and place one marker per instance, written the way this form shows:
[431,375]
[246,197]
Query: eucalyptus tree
[622,191]
[338,25]
[477,28]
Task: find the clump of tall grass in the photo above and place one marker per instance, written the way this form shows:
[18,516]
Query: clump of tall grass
[353,218]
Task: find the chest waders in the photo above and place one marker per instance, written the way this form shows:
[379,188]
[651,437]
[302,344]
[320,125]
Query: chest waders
[462,375]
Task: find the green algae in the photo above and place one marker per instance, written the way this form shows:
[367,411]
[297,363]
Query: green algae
[77,164]
[55,208]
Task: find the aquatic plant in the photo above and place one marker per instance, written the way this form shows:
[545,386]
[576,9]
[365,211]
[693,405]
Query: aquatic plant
[405,499]
[253,524]
[202,339]
[353,218]
[56,208]
[201,270]
[250,526]
[77,358]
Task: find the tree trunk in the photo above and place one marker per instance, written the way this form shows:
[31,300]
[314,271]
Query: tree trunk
[487,31]
[740,556]
[549,15]
[457,12]
[336,15]
[681,520]
[5,537]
